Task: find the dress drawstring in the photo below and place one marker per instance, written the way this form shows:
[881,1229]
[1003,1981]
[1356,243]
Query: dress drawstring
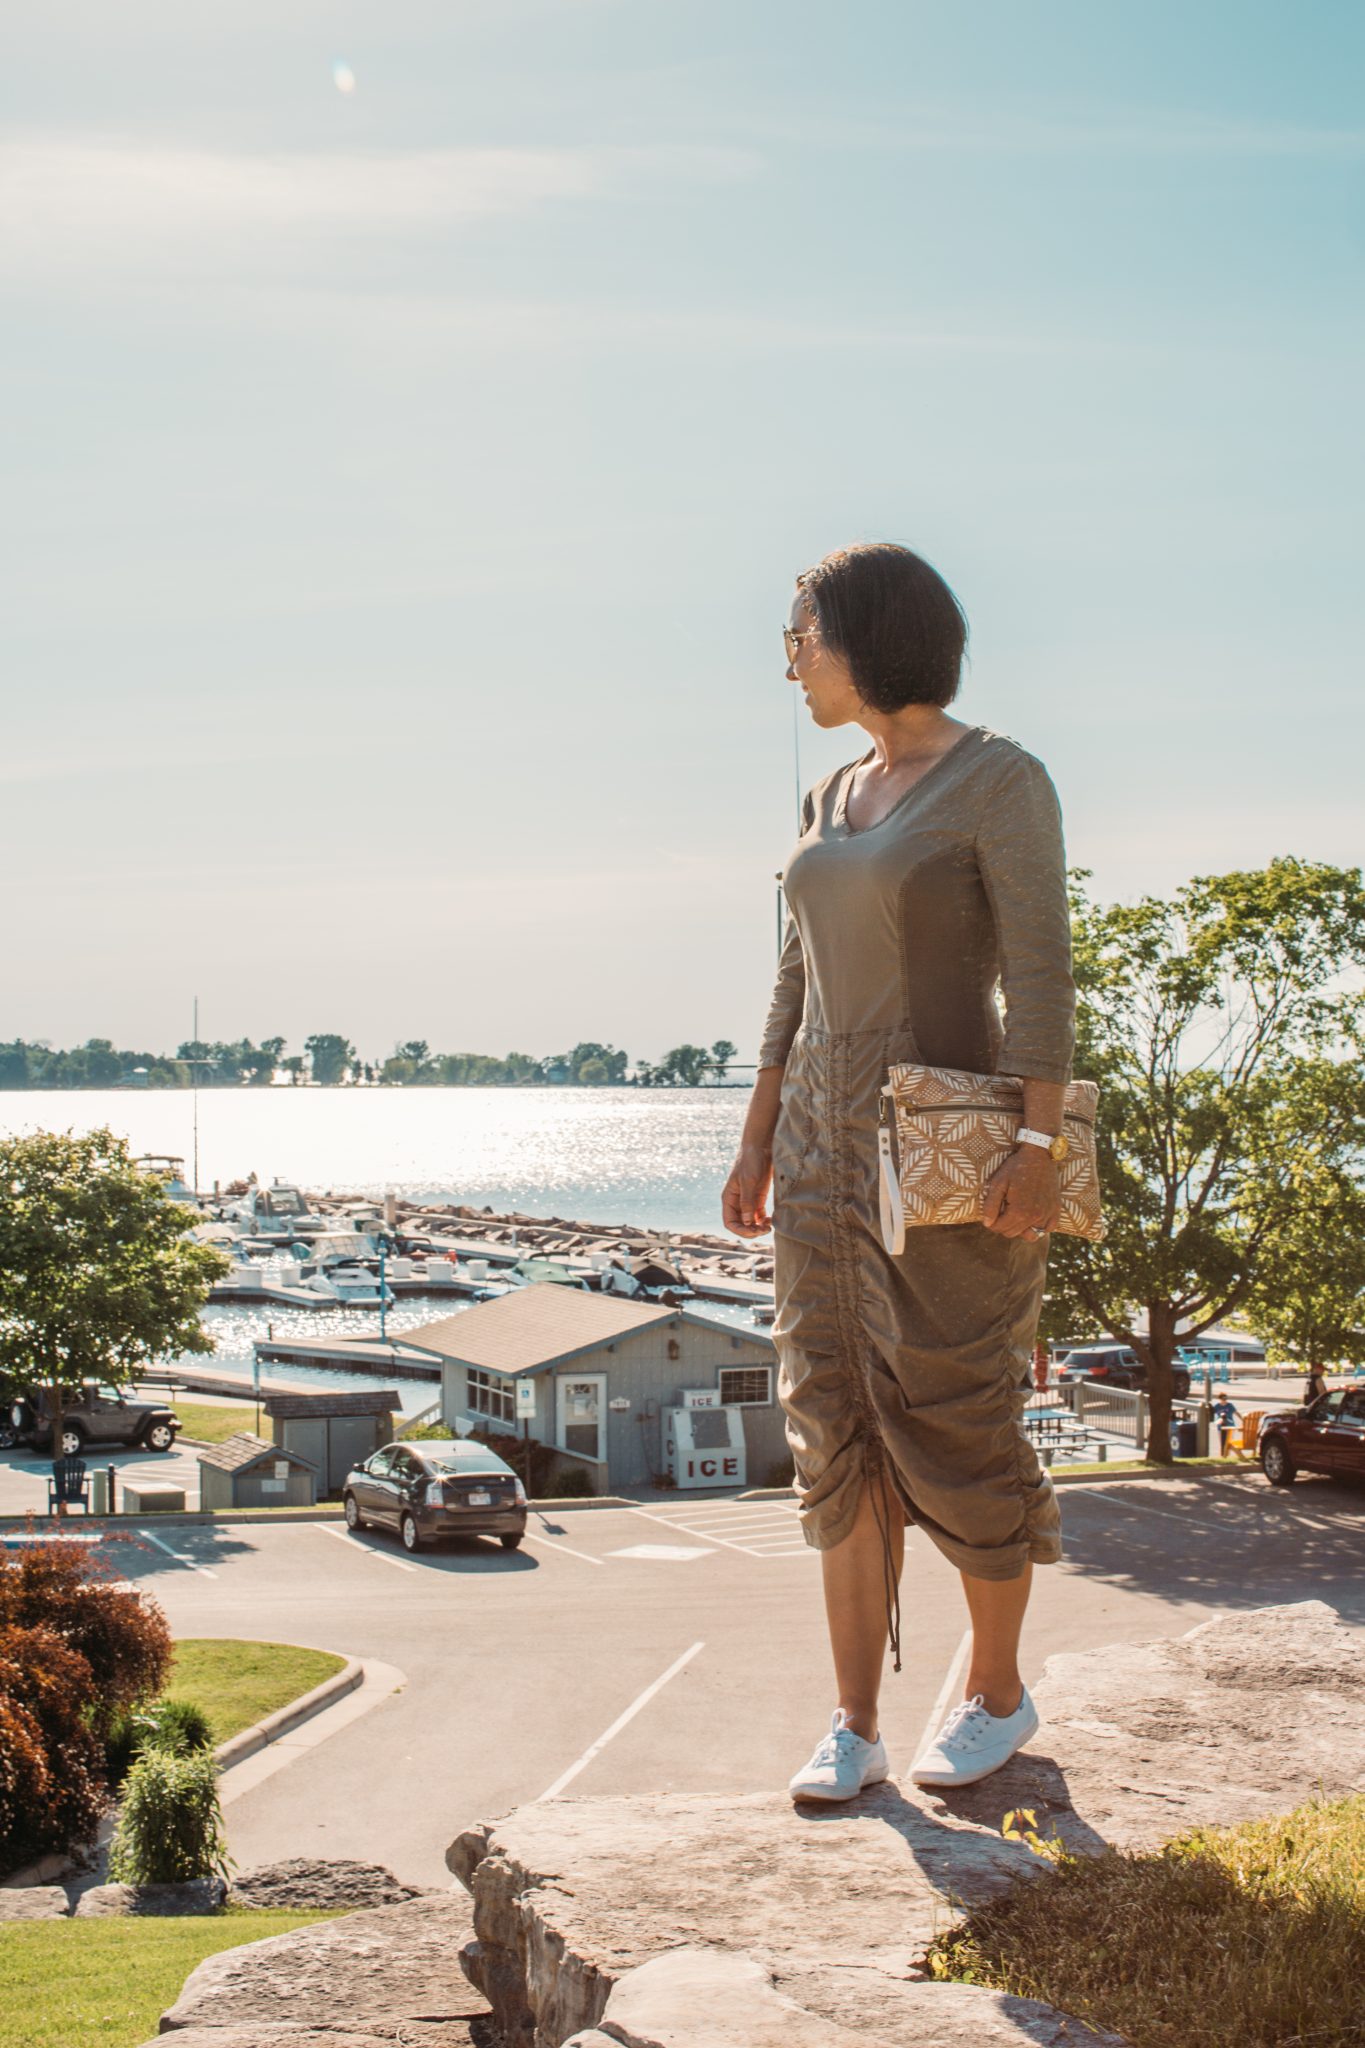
[890,1579]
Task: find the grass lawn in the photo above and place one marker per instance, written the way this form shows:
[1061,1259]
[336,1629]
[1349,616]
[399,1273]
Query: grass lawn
[1242,1937]
[105,1983]
[237,1683]
[213,1424]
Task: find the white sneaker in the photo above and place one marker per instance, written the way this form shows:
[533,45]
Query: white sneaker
[841,1765]
[972,1743]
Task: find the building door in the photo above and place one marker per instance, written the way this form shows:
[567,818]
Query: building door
[582,1413]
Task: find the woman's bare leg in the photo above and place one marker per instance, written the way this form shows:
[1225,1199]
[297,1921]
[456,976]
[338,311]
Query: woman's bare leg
[855,1604]
[996,1607]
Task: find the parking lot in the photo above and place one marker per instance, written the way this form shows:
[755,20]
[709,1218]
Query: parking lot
[674,1646]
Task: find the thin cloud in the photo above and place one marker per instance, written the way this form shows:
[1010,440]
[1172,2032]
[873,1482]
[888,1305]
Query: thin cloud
[61,197]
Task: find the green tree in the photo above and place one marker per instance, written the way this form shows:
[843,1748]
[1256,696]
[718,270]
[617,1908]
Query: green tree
[1313,1310]
[594,1073]
[332,1057]
[686,1066]
[293,1066]
[587,1051]
[97,1277]
[722,1052]
[1225,1031]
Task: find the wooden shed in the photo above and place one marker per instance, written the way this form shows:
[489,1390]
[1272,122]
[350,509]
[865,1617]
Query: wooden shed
[247,1472]
[334,1429]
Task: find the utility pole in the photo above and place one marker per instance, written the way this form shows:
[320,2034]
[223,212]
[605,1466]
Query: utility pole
[194,1091]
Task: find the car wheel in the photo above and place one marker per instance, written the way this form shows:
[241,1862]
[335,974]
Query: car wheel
[1276,1463]
[158,1436]
[511,1542]
[73,1440]
[354,1519]
[408,1530]
[9,1436]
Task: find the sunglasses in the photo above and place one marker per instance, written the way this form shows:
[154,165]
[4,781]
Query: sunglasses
[791,641]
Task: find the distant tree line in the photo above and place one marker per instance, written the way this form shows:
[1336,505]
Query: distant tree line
[330,1060]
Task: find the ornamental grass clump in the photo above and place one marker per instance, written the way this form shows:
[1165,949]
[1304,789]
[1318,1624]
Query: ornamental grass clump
[176,1726]
[170,1826]
[1241,1937]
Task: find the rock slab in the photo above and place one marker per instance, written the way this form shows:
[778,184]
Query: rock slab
[694,1996]
[150,1901]
[33,1902]
[835,1908]
[392,1973]
[308,1882]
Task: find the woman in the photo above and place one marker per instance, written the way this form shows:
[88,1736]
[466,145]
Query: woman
[928,872]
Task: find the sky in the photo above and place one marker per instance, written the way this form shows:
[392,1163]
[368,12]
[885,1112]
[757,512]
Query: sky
[415,417]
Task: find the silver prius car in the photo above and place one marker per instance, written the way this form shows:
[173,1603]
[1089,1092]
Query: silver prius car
[437,1487]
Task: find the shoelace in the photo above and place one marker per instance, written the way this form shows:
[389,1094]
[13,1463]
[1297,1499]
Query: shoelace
[828,1751]
[964,1712]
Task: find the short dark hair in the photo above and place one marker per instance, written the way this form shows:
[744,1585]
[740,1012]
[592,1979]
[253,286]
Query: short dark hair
[893,619]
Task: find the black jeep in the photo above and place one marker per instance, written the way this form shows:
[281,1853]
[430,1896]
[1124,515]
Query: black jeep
[93,1414]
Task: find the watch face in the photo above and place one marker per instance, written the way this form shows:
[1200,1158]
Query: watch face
[1060,1147]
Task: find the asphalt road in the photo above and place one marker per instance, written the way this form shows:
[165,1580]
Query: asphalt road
[517,1664]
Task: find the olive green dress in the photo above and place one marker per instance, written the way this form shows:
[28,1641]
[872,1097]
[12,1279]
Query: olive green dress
[903,941]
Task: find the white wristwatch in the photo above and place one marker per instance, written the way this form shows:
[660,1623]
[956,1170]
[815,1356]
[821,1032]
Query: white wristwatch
[1057,1147]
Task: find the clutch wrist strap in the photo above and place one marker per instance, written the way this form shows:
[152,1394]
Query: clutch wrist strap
[1025,1136]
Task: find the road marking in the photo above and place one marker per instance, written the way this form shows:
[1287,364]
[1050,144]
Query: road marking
[671,1551]
[751,1527]
[620,1722]
[365,1549]
[938,1713]
[1142,1507]
[534,1536]
[188,1562]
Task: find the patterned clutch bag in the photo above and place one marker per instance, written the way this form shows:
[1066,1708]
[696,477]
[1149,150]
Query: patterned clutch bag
[953,1130]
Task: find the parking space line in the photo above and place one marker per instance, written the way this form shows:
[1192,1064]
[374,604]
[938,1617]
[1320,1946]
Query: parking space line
[534,1536]
[620,1722]
[365,1549]
[188,1562]
[1142,1507]
[939,1711]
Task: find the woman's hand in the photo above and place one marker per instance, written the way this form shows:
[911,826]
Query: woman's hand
[1023,1198]
[744,1197]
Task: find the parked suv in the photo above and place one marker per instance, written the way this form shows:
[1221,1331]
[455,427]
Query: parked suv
[92,1414]
[1329,1436]
[1117,1365]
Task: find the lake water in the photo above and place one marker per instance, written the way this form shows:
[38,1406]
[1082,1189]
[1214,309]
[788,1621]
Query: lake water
[655,1157]
[652,1156]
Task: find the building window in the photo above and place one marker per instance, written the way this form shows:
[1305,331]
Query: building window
[746,1386]
[491,1395]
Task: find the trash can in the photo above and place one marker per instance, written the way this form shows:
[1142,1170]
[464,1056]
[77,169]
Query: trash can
[1185,1437]
[99,1492]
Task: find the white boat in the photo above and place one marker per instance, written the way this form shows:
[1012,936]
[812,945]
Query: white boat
[350,1286]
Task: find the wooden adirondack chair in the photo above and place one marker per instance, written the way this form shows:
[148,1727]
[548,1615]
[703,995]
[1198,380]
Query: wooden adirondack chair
[68,1484]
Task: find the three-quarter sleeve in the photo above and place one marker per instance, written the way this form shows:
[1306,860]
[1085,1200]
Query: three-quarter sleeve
[1022,860]
[789,990]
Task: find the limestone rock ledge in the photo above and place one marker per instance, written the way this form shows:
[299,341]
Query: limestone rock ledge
[590,1915]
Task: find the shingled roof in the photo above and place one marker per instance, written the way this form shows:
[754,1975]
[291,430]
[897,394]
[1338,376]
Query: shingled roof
[333,1401]
[245,1449]
[534,1327]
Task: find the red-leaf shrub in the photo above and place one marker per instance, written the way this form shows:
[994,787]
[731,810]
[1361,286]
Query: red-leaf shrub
[47,1690]
[75,1649]
[124,1637]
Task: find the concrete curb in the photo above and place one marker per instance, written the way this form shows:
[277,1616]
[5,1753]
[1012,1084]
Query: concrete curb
[285,1719]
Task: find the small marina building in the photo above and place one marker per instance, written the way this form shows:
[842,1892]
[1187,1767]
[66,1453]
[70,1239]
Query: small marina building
[247,1472]
[624,1390]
